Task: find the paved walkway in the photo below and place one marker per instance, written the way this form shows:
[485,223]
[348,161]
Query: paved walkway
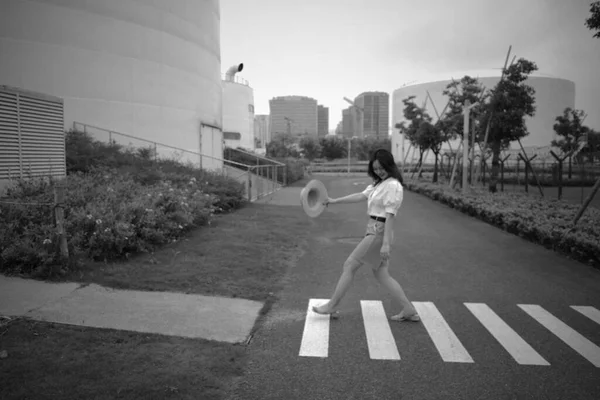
[193,316]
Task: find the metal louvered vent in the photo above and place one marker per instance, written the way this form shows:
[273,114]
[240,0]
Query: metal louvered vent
[32,136]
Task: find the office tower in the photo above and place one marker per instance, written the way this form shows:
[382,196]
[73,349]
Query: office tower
[375,118]
[294,114]
[323,121]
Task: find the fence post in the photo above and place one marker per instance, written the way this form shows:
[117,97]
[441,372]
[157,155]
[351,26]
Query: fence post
[250,184]
[59,213]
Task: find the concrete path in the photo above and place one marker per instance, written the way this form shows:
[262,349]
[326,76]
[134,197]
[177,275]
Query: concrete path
[193,316]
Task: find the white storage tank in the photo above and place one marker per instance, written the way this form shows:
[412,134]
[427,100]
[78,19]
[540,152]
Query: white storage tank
[552,96]
[238,110]
[147,68]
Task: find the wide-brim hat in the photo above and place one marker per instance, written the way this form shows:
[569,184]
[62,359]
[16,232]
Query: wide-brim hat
[312,197]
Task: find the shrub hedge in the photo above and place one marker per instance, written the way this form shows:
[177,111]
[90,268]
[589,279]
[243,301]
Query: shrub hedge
[118,203]
[543,221]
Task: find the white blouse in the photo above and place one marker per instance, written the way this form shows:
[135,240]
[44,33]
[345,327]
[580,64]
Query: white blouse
[384,198]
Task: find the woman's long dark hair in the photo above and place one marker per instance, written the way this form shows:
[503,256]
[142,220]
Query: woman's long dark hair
[386,160]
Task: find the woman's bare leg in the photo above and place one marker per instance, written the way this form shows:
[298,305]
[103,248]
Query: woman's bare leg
[350,267]
[393,287]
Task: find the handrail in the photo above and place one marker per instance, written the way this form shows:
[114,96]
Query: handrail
[257,156]
[75,123]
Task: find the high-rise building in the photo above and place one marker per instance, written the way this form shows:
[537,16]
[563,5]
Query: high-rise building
[296,113]
[376,115]
[323,121]
[261,130]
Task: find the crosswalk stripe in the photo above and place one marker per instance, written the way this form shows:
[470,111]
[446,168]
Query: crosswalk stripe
[444,339]
[589,311]
[574,339]
[315,338]
[522,352]
[381,342]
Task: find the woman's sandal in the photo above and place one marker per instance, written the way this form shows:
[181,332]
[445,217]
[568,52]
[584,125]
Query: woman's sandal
[401,317]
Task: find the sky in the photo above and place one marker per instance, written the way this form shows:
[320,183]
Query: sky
[331,49]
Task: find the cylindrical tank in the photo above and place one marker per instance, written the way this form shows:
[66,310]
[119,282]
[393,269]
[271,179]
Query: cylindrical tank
[238,110]
[552,96]
[148,68]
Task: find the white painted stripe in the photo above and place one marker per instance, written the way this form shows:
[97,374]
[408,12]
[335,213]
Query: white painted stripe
[381,342]
[574,339]
[589,311]
[522,352]
[315,338]
[444,339]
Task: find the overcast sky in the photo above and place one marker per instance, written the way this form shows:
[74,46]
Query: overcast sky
[328,49]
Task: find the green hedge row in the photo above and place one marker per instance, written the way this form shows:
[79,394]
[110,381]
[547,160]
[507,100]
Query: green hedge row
[542,221]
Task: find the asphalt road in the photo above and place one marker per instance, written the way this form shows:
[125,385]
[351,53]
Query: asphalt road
[498,321]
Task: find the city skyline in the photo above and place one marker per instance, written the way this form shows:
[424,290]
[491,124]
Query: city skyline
[401,42]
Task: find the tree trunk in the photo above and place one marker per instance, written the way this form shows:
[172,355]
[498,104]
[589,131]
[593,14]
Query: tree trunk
[421,154]
[435,168]
[570,164]
[495,147]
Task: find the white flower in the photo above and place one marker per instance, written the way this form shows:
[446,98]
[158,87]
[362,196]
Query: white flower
[89,216]
[98,221]
[47,241]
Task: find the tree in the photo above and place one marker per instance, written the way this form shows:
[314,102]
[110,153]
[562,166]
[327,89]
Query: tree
[415,115]
[593,22]
[458,92]
[510,102]
[592,148]
[431,137]
[363,148]
[333,147]
[570,128]
[281,146]
[311,147]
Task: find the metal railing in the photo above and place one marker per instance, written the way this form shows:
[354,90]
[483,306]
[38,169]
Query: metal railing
[258,181]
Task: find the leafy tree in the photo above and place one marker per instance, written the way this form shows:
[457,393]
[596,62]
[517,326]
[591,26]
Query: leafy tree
[415,116]
[592,148]
[364,147]
[511,101]
[431,137]
[333,147]
[458,92]
[281,146]
[311,147]
[593,22]
[570,128]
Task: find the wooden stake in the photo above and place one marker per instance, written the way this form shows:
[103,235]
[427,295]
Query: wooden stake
[587,202]
[527,161]
[59,214]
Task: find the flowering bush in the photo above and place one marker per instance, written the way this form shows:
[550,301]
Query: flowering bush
[109,214]
[540,220]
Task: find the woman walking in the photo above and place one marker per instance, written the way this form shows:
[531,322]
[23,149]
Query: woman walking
[384,198]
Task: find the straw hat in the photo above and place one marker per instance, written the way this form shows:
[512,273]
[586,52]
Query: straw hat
[312,197]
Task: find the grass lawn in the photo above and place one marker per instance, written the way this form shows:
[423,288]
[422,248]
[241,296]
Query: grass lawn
[243,254]
[51,361]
